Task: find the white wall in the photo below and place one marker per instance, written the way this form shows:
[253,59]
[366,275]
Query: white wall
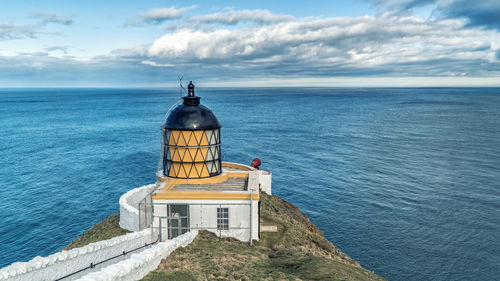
[140,264]
[129,206]
[205,216]
[265,181]
[63,263]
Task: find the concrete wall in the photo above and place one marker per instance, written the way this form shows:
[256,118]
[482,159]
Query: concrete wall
[63,263]
[140,264]
[265,181]
[203,215]
[129,206]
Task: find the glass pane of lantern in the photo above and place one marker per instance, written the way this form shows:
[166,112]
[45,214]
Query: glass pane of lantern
[210,135]
[169,157]
[216,152]
[210,166]
[167,168]
[217,135]
[175,154]
[202,170]
[202,139]
[192,154]
[200,154]
[174,170]
[217,167]
[166,136]
[190,171]
[186,155]
[182,171]
[209,154]
[174,136]
[193,139]
[183,138]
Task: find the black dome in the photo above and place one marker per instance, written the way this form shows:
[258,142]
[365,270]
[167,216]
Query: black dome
[191,115]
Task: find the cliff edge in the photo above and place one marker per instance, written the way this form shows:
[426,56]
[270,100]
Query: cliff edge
[297,251]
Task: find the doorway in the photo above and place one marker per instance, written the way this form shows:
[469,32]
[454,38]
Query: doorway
[178,219]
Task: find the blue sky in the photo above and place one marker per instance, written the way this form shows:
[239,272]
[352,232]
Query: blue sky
[250,43]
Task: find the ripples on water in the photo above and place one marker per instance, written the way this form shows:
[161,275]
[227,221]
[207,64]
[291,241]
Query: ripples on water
[406,181]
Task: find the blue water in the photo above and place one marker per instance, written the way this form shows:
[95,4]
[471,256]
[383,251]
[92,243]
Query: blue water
[405,181]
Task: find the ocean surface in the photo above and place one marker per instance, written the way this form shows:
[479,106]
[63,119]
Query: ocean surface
[405,181]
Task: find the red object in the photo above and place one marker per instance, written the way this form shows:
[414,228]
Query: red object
[256,163]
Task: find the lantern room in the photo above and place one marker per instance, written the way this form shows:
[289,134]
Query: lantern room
[191,140]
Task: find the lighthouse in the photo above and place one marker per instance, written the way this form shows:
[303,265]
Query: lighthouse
[191,140]
[195,189]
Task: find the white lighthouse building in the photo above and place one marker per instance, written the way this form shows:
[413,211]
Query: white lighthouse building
[195,189]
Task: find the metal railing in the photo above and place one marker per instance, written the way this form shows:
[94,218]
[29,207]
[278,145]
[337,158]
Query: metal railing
[146,211]
[93,265]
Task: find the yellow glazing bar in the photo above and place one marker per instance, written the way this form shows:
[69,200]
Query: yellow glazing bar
[204,195]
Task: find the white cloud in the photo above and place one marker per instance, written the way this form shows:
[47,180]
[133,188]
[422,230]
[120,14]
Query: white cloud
[401,5]
[338,46]
[152,63]
[159,15]
[53,18]
[394,45]
[11,31]
[235,17]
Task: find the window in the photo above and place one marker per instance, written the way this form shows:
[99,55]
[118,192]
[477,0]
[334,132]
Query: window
[178,219]
[222,218]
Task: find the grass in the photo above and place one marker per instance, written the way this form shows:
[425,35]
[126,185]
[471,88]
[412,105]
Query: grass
[298,251]
[104,230]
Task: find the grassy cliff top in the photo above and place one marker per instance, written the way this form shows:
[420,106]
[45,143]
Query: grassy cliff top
[298,251]
[104,230]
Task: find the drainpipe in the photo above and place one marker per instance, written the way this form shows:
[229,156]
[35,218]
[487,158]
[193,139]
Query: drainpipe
[251,211]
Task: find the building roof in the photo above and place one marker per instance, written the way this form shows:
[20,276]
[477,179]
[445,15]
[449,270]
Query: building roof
[237,182]
[191,115]
[231,184]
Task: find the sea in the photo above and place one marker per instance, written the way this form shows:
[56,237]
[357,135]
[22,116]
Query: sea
[404,180]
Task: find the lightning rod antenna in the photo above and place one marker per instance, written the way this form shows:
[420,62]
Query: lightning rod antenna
[181,88]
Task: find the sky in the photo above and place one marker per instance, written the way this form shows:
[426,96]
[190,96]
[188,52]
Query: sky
[250,43]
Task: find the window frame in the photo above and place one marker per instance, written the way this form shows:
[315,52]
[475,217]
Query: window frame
[222,218]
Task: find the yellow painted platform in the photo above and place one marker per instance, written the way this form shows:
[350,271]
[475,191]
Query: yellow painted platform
[204,195]
[232,171]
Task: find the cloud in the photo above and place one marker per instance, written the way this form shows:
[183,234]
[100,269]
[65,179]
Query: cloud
[152,63]
[385,45]
[11,31]
[401,5]
[235,17]
[60,49]
[478,13]
[159,15]
[47,18]
[484,13]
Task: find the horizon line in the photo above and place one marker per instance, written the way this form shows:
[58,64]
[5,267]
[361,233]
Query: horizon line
[318,82]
